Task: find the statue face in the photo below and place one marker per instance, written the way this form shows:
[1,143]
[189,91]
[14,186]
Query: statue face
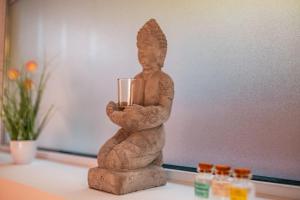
[149,54]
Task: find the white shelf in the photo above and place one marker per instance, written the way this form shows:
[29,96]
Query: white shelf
[70,182]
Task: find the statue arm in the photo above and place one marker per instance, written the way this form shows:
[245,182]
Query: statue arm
[138,117]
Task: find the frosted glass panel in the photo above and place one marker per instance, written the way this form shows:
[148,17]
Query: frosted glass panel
[235,64]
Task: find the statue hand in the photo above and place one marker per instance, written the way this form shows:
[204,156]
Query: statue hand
[111,107]
[133,108]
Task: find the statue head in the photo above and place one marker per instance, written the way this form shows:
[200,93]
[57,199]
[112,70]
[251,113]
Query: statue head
[152,46]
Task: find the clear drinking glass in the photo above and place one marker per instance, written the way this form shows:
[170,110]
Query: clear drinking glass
[125,92]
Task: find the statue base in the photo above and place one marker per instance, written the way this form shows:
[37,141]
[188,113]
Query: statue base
[119,183]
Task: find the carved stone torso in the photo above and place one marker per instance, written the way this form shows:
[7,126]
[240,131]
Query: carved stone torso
[147,91]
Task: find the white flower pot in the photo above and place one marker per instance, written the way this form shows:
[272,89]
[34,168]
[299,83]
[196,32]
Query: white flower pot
[23,152]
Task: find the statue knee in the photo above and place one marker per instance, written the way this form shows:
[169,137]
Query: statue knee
[116,160]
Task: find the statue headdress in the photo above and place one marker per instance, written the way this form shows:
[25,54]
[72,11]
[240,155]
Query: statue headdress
[152,29]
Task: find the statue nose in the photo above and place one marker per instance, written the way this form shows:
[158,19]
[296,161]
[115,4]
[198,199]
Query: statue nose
[142,55]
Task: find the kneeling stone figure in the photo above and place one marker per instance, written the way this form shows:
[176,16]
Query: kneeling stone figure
[131,160]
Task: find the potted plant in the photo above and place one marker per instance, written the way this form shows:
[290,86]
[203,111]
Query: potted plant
[20,110]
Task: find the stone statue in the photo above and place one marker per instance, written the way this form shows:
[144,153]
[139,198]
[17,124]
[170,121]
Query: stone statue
[131,160]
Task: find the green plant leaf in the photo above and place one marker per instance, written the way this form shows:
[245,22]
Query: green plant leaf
[20,107]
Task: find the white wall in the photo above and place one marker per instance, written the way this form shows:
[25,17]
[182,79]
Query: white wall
[235,64]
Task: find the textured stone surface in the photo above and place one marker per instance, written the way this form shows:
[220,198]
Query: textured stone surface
[131,159]
[117,182]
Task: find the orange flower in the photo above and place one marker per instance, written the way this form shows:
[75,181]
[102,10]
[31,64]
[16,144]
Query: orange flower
[31,66]
[28,83]
[13,74]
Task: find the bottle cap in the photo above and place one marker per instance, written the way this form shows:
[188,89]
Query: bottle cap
[242,172]
[205,167]
[222,169]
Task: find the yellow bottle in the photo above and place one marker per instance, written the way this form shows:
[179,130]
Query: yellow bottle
[242,188]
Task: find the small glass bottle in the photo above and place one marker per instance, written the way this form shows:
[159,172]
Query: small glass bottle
[221,183]
[242,188]
[203,181]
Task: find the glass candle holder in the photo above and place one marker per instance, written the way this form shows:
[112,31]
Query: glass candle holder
[125,92]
